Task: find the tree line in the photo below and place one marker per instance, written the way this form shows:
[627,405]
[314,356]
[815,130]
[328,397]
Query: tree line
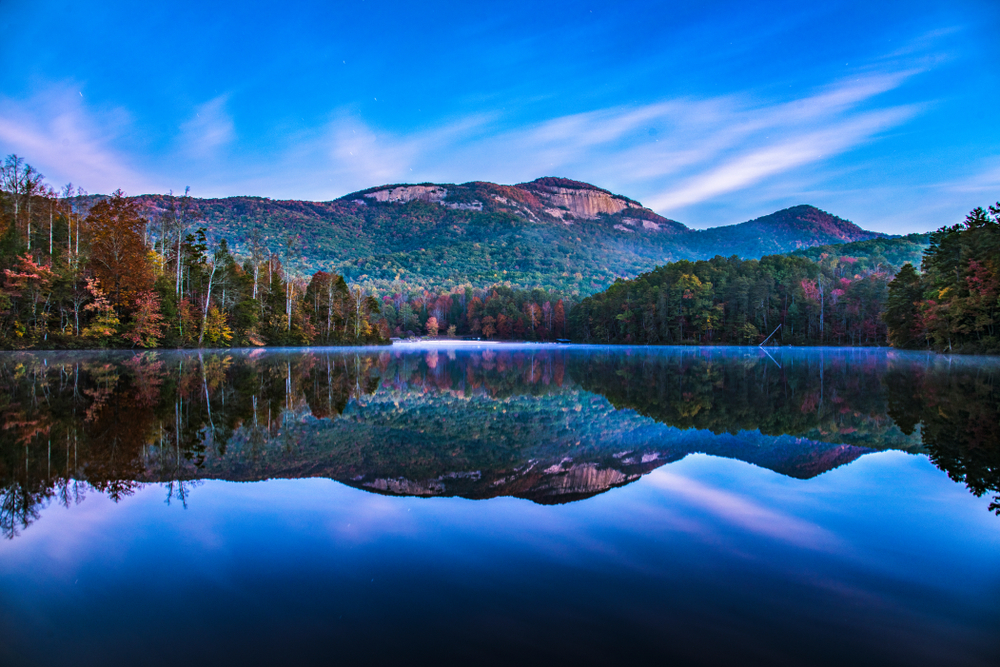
[83,271]
[837,299]
[80,271]
[499,312]
[953,304]
[865,293]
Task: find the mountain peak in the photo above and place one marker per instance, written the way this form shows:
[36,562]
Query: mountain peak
[793,228]
[558,182]
[550,198]
[821,227]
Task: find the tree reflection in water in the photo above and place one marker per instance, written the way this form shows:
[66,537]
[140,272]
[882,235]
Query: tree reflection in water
[955,404]
[549,424]
[108,421]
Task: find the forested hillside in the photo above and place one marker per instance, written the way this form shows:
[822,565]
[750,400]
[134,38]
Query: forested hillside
[883,253]
[784,231]
[552,233]
[833,296]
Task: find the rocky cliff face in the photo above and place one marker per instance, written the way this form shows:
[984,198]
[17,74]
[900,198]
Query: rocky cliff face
[541,200]
[407,193]
[580,200]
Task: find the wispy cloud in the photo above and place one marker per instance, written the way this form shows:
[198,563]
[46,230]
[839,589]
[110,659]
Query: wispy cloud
[738,169]
[56,132]
[987,181]
[670,154]
[209,130]
[684,152]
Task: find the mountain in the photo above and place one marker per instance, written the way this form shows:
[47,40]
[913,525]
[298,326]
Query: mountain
[548,199]
[790,229]
[551,232]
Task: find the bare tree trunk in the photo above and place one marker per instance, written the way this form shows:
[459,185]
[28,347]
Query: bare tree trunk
[204,310]
[357,315]
[177,284]
[822,309]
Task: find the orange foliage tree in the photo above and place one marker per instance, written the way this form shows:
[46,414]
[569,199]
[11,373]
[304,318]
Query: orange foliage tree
[148,325]
[118,254]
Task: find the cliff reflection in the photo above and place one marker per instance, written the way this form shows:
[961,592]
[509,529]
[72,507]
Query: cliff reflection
[548,424]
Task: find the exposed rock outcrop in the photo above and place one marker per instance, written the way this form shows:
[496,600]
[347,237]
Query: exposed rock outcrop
[581,200]
[541,200]
[407,193]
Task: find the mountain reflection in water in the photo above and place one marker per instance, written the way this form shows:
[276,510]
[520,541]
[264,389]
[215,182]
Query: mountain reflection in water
[548,424]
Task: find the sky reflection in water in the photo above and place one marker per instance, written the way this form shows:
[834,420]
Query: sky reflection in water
[879,559]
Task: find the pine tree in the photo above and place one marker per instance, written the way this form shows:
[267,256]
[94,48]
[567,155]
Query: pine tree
[902,310]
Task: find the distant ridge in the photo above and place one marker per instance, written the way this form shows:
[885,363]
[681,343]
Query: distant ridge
[551,232]
[803,226]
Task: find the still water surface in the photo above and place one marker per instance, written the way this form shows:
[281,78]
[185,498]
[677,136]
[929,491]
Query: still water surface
[500,504]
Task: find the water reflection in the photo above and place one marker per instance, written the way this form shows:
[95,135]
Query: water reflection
[549,424]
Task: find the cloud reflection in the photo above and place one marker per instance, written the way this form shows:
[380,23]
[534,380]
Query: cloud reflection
[738,510]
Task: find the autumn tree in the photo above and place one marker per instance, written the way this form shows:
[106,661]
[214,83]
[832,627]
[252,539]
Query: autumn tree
[533,313]
[559,318]
[105,320]
[118,254]
[362,308]
[432,326]
[24,293]
[147,323]
[216,330]
[954,304]
[489,327]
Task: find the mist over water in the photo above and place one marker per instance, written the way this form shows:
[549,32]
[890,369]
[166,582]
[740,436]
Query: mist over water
[806,506]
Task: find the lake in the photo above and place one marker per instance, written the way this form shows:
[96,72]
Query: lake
[500,503]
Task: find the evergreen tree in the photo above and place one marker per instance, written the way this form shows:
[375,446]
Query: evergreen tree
[902,310]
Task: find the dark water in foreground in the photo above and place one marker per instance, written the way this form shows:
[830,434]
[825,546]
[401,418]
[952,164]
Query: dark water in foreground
[501,504]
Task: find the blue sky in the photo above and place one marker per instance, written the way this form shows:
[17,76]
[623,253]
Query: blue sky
[885,113]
